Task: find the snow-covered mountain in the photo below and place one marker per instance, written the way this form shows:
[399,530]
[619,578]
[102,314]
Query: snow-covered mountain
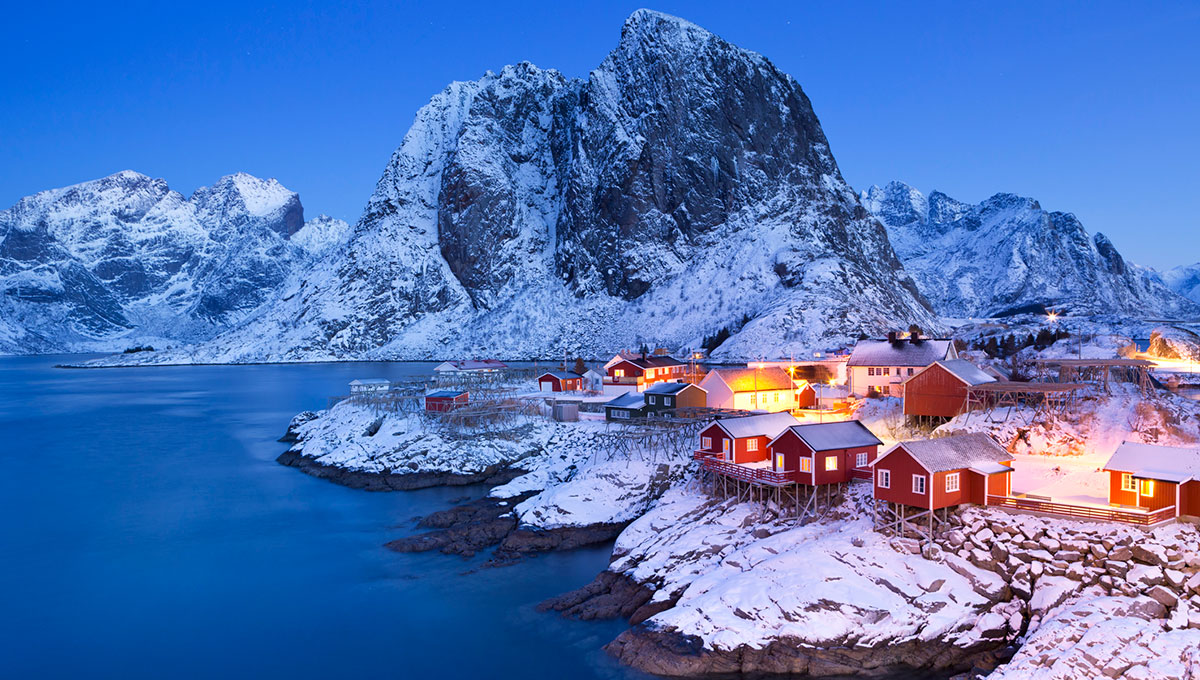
[1184,281]
[124,259]
[683,188]
[1007,254]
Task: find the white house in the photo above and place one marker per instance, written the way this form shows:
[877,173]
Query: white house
[593,381]
[884,364]
[369,386]
[750,389]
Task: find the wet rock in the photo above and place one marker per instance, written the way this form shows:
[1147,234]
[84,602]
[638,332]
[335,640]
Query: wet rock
[395,481]
[608,596]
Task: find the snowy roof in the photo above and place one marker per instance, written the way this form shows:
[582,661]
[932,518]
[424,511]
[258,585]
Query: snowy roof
[754,379]
[964,370]
[848,434]
[561,375]
[446,394]
[957,452]
[371,381]
[831,391]
[989,467]
[669,388]
[1152,461]
[653,362]
[632,400]
[898,353]
[595,373]
[766,425]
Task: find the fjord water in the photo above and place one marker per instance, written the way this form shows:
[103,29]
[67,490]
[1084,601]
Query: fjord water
[148,532]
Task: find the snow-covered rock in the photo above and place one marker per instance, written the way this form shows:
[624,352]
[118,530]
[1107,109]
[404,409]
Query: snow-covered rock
[124,260]
[1184,280]
[684,189]
[1169,342]
[1007,254]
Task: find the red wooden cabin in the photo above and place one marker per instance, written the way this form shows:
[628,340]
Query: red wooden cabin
[742,440]
[560,381]
[1154,477]
[446,400]
[643,371]
[940,389]
[825,453]
[944,472]
[806,396]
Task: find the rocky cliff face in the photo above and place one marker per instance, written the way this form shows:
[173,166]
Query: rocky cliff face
[124,259]
[684,188]
[1007,253]
[1184,281]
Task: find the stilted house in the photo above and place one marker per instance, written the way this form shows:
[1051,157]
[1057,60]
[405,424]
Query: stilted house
[670,396]
[628,406]
[879,366]
[442,401]
[368,386]
[916,479]
[1161,479]
[939,391]
[642,371]
[743,441]
[825,453]
[768,389]
[560,381]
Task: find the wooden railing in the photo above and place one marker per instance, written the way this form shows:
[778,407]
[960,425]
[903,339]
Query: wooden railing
[1137,517]
[742,472]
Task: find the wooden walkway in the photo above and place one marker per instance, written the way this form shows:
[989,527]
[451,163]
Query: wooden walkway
[1143,518]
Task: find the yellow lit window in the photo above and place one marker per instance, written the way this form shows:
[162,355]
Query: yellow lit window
[779,462]
[751,444]
[830,463]
[1147,487]
[619,373]
[806,464]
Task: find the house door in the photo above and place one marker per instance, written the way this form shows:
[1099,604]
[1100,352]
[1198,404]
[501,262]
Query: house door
[727,450]
[779,462]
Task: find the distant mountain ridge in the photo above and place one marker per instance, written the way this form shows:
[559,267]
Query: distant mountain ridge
[124,260]
[1007,253]
[1184,280]
[684,190]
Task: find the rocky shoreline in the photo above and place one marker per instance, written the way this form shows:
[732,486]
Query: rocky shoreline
[387,480]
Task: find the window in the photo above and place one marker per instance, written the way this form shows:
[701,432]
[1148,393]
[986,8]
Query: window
[779,462]
[952,482]
[806,464]
[885,389]
[618,373]
[1147,487]
[870,371]
[652,399]
[830,463]
[706,443]
[910,371]
[919,484]
[776,397]
[860,460]
[751,444]
[1127,483]
[885,479]
[649,372]
[620,413]
[753,398]
[886,371]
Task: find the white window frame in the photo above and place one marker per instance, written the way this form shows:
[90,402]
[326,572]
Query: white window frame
[652,399]
[918,484]
[618,373]
[885,479]
[806,464]
[706,443]
[1128,483]
[953,482]
[860,460]
[620,413]
[831,463]
[751,444]
[779,462]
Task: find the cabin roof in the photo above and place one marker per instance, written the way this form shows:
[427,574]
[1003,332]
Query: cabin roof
[847,434]
[957,452]
[631,400]
[962,369]
[899,353]
[768,425]
[651,361]
[561,375]
[446,394]
[1152,461]
[371,381]
[670,388]
[831,391]
[754,379]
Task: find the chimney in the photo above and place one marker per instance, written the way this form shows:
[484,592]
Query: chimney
[892,336]
[914,337]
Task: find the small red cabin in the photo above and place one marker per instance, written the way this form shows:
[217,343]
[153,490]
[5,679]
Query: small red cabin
[825,453]
[1154,477]
[743,440]
[446,400]
[940,389]
[944,472]
[560,381]
[643,371]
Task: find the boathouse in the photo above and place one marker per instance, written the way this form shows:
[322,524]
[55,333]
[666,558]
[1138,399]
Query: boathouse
[560,381]
[369,386]
[879,366]
[915,480]
[825,453]
[670,396]
[442,401]
[628,406]
[1155,478]
[939,391]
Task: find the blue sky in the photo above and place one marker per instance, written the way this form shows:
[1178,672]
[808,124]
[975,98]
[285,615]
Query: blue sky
[1091,108]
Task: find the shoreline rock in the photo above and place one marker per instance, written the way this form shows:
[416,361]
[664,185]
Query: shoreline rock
[609,596]
[396,481]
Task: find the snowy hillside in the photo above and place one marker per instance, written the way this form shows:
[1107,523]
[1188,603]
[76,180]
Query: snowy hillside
[1184,280]
[1007,253]
[124,259]
[683,189]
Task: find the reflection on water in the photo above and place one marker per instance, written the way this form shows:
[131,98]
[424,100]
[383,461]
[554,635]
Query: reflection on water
[149,532]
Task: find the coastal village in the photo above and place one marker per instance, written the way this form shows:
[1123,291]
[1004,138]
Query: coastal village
[960,494]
